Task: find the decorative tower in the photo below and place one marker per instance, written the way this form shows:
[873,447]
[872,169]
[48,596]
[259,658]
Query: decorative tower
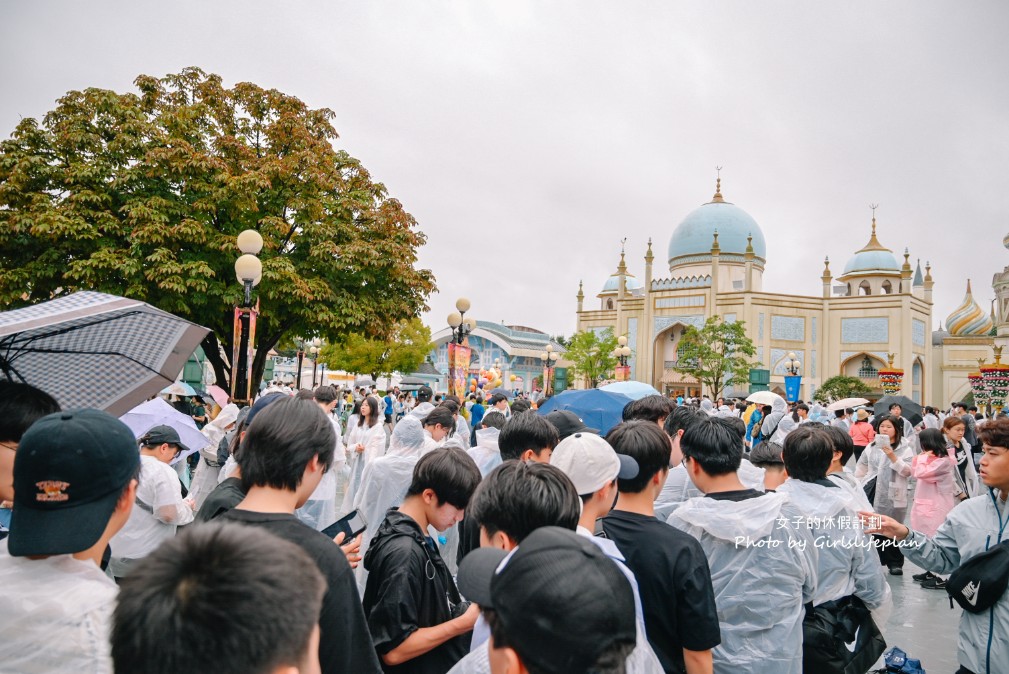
[622,272]
[748,256]
[929,282]
[1000,284]
[716,252]
[648,267]
[906,273]
[580,297]
[826,277]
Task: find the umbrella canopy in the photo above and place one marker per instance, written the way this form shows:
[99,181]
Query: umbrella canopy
[909,409]
[845,403]
[763,397]
[501,391]
[157,412]
[635,390]
[219,395]
[364,381]
[179,388]
[597,408]
[90,349]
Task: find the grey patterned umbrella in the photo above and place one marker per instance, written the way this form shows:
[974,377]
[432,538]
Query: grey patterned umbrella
[90,349]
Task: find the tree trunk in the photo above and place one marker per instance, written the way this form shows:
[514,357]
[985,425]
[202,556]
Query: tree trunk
[212,349]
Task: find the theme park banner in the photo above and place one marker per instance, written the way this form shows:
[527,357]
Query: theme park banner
[458,368]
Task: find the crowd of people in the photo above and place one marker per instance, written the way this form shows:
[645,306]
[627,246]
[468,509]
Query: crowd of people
[694,537]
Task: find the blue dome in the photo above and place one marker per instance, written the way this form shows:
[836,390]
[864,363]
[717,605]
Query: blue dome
[872,260]
[695,234]
[613,284]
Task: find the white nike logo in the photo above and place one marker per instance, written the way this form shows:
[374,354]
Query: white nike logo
[854,641]
[970,592]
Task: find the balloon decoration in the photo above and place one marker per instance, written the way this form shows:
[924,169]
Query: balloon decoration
[487,379]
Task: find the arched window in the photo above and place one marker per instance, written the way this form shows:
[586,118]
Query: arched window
[887,288]
[864,288]
[609,304]
[867,371]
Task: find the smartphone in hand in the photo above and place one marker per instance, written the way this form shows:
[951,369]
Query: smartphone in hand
[350,524]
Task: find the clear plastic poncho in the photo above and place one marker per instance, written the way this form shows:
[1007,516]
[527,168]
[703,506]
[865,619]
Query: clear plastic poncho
[891,478]
[760,581]
[385,482]
[205,476]
[486,453]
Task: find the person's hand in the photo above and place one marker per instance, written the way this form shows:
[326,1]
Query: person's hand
[191,503]
[874,523]
[468,619]
[358,448]
[351,550]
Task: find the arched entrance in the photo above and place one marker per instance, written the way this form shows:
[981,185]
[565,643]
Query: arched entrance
[865,366]
[664,375]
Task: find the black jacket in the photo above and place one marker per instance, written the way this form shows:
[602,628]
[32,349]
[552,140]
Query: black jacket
[409,587]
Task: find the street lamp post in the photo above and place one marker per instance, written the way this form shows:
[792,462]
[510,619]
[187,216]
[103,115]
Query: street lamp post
[458,348]
[249,272]
[315,359]
[301,359]
[549,358]
[793,379]
[622,353]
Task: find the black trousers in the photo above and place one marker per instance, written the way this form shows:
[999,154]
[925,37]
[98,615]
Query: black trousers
[858,452]
[963,670]
[890,556]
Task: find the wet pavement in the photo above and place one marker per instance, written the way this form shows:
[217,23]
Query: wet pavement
[922,623]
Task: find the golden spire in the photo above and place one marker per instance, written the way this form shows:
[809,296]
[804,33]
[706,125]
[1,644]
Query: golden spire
[717,199]
[581,295]
[874,243]
[968,287]
[648,256]
[826,270]
[928,271]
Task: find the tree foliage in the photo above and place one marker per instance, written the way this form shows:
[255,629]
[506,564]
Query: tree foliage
[717,355]
[143,194]
[402,352]
[591,355]
[840,387]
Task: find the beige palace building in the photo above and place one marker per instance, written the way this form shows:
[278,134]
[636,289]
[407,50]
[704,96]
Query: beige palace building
[877,305]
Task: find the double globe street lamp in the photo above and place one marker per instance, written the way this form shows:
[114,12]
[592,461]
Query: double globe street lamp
[622,353]
[458,354]
[249,272]
[549,358]
[793,379]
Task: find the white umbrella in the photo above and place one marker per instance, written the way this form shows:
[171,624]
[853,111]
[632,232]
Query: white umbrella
[844,403]
[763,397]
[157,412]
[90,349]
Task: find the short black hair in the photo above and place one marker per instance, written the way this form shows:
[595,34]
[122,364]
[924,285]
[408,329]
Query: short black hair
[526,431]
[451,405]
[842,442]
[494,420]
[714,445]
[802,406]
[644,442]
[650,408]
[440,415]
[449,472]
[197,602]
[519,497]
[21,405]
[304,394]
[287,434]
[681,418]
[325,394]
[932,440]
[892,405]
[838,414]
[807,453]
[496,398]
[521,405]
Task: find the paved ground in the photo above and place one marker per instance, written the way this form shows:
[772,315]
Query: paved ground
[922,623]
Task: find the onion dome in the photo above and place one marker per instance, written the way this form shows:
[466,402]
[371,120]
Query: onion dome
[873,258]
[612,284]
[968,319]
[737,231]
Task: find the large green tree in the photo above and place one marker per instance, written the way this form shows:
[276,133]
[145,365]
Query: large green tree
[403,351]
[144,193]
[717,355]
[591,354]
[840,387]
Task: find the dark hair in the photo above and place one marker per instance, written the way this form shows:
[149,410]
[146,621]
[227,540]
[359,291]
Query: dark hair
[197,602]
[325,394]
[375,411]
[995,433]
[738,424]
[521,405]
[526,431]
[356,409]
[287,435]
[714,444]
[440,415]
[454,398]
[304,394]
[493,420]
[802,406]
[842,443]
[21,405]
[933,440]
[612,660]
[644,442]
[650,408]
[838,414]
[496,398]
[892,405]
[519,497]
[807,453]
[898,427]
[449,472]
[450,405]
[681,418]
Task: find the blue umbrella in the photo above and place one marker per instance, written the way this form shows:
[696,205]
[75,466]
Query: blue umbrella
[597,408]
[632,389]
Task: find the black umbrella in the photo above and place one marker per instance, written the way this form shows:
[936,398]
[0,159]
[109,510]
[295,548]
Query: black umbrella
[909,409]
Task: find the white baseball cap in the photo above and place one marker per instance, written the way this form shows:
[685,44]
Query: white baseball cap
[591,463]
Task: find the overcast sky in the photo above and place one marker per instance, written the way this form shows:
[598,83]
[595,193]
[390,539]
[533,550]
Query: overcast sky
[528,138]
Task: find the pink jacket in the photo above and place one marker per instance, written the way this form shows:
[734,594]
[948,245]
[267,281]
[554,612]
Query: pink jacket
[933,497]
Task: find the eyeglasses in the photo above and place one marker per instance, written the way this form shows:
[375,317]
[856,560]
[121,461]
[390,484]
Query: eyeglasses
[13,446]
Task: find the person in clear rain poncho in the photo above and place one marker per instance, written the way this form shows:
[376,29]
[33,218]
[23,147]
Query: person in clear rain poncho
[367,443]
[205,477]
[386,480]
[763,566]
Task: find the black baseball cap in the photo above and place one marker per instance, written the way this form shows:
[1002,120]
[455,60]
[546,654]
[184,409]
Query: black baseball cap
[568,423]
[560,600]
[69,471]
[159,435]
[262,403]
